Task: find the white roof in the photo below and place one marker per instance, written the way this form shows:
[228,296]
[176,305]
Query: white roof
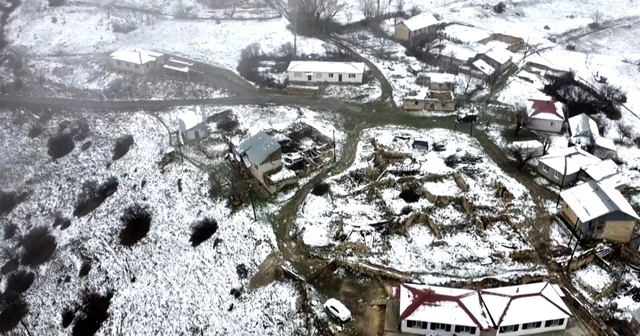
[176,68]
[443,305]
[497,51]
[542,109]
[591,200]
[436,77]
[574,157]
[192,117]
[605,143]
[524,304]
[484,67]
[457,52]
[420,21]
[136,56]
[531,144]
[582,124]
[606,172]
[327,67]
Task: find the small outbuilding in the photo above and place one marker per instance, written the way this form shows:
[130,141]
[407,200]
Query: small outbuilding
[605,148]
[139,62]
[545,116]
[193,125]
[420,144]
[606,173]
[562,167]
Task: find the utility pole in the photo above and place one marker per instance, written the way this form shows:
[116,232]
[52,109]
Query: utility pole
[471,128]
[562,182]
[334,146]
[572,253]
[252,205]
[295,28]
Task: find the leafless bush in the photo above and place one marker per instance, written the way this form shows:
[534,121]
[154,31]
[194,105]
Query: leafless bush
[500,7]
[124,27]
[414,10]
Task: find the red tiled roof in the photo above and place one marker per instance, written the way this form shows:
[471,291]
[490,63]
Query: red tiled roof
[544,106]
[429,297]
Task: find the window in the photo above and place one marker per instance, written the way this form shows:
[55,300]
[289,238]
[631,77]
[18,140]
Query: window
[545,168]
[553,323]
[352,75]
[137,66]
[556,175]
[532,325]
[440,326]
[466,329]
[416,102]
[118,63]
[509,328]
[417,324]
[128,65]
[297,74]
[551,123]
[330,75]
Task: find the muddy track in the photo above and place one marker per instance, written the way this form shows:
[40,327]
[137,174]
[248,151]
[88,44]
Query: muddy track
[578,33]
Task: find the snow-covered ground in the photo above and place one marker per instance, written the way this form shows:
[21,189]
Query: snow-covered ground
[162,284]
[592,278]
[467,251]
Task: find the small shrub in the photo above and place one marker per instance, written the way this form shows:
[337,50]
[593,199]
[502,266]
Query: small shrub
[409,195]
[84,269]
[38,247]
[14,309]
[85,146]
[93,195]
[19,282]
[242,271]
[10,230]
[10,266]
[79,129]
[62,222]
[407,210]
[500,7]
[9,200]
[60,145]
[321,189]
[202,231]
[136,224]
[93,312]
[67,317]
[35,131]
[122,146]
[124,27]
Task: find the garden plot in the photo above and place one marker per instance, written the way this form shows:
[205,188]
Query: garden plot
[150,273]
[593,279]
[417,210]
[363,93]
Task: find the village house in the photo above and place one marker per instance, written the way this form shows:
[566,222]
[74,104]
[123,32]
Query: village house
[437,81]
[440,310]
[514,310]
[607,173]
[583,130]
[261,156]
[192,125]
[526,309]
[426,99]
[453,55]
[140,62]
[330,72]
[497,57]
[598,212]
[416,28]
[483,68]
[605,148]
[562,167]
[545,116]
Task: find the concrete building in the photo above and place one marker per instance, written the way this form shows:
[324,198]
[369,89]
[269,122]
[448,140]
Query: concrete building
[330,72]
[607,173]
[426,99]
[437,81]
[545,116]
[193,125]
[140,62]
[562,167]
[599,212]
[416,27]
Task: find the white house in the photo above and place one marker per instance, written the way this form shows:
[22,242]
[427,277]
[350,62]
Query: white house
[416,27]
[137,61]
[562,167]
[332,72]
[497,56]
[441,311]
[526,309]
[193,125]
[545,115]
[484,67]
[453,54]
[606,173]
[583,125]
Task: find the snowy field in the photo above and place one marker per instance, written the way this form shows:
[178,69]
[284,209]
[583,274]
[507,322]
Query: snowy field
[161,284]
[363,195]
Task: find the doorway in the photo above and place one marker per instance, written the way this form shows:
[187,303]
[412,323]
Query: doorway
[340,78]
[309,77]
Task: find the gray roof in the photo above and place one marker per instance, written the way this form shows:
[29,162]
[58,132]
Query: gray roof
[258,147]
[636,314]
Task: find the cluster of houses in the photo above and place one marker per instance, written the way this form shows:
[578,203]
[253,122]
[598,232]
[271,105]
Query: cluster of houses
[513,310]
[593,204]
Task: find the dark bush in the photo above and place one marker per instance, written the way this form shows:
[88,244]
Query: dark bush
[92,195]
[38,247]
[407,210]
[67,317]
[409,195]
[124,27]
[93,312]
[227,124]
[14,308]
[35,131]
[500,7]
[85,146]
[321,189]
[9,200]
[136,223]
[84,269]
[202,231]
[60,145]
[122,146]
[242,271]
[10,230]
[62,222]
[79,129]
[19,282]
[56,3]
[10,266]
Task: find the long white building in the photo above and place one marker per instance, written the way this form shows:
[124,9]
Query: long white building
[331,72]
[137,61]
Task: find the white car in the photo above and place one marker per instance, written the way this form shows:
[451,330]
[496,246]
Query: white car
[337,309]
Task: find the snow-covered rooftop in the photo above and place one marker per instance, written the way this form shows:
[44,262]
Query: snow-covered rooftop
[605,143]
[545,109]
[465,33]
[574,158]
[590,201]
[484,67]
[456,51]
[437,77]
[524,304]
[499,54]
[602,170]
[136,56]
[259,147]
[327,67]
[192,117]
[420,21]
[421,94]
[583,125]
[442,305]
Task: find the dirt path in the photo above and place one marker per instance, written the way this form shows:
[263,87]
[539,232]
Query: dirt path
[578,33]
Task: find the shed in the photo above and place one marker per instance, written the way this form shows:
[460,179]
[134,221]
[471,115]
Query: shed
[193,125]
[420,144]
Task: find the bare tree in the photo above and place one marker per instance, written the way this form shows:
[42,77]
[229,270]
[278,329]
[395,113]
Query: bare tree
[287,51]
[399,8]
[625,130]
[546,143]
[466,82]
[613,94]
[523,154]
[520,118]
[309,13]
[382,44]
[368,8]
[414,10]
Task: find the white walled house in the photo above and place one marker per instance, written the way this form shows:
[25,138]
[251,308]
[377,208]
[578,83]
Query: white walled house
[441,311]
[526,309]
[136,61]
[562,167]
[330,72]
[192,125]
[545,116]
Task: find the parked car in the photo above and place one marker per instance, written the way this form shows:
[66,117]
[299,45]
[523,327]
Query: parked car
[337,309]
